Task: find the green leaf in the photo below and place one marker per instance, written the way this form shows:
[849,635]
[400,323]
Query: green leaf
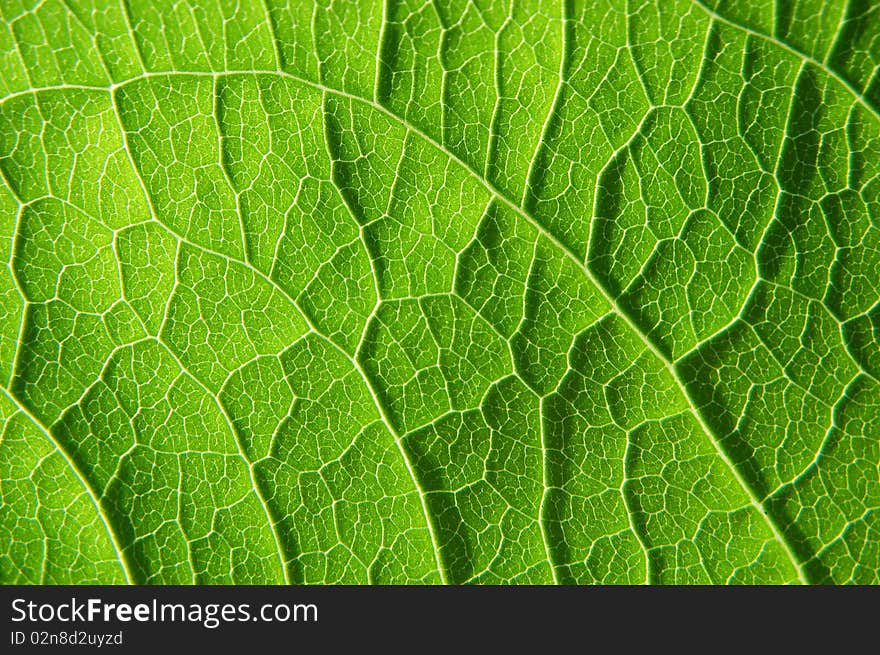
[544,291]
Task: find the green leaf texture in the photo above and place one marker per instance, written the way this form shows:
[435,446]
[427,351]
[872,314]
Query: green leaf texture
[489,291]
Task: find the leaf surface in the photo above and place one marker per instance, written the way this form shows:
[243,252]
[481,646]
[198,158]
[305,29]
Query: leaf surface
[541,292]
